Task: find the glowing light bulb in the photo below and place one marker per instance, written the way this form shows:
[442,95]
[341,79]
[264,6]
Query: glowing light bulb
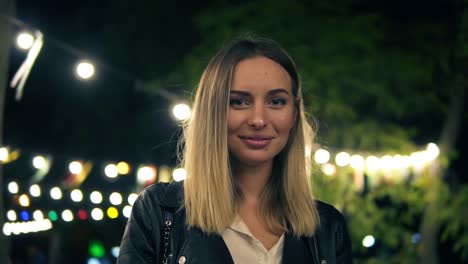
[75,167]
[35,190]
[67,215]
[321,156]
[357,162]
[372,163]
[85,70]
[11,215]
[115,198]
[13,187]
[39,162]
[181,111]
[56,193]
[342,159]
[111,171]
[97,214]
[76,195]
[179,174]
[24,200]
[127,211]
[96,197]
[24,40]
[146,173]
[328,169]
[123,168]
[368,241]
[132,198]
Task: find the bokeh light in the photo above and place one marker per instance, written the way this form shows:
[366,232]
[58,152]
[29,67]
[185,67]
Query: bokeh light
[181,111]
[111,171]
[13,187]
[76,195]
[179,174]
[96,197]
[85,70]
[115,198]
[35,190]
[342,159]
[24,40]
[56,193]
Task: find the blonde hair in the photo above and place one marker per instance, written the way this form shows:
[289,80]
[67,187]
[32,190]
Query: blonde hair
[210,193]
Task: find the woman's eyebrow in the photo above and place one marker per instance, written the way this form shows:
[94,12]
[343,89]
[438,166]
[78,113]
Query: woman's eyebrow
[274,91]
[239,92]
[278,90]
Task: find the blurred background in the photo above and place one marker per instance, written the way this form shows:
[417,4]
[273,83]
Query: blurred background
[92,94]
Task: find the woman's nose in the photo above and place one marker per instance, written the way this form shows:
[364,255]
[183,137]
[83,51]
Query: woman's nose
[257,118]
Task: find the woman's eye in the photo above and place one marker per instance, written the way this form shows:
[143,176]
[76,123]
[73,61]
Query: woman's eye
[278,101]
[237,102]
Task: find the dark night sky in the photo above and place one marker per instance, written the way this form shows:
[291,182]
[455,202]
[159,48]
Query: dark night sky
[102,118]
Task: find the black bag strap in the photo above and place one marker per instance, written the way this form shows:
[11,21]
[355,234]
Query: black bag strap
[166,236]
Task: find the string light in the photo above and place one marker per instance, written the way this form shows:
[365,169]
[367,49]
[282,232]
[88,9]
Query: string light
[127,211]
[24,40]
[75,167]
[357,162]
[76,195]
[111,171]
[179,174]
[132,198]
[13,187]
[97,214]
[56,193]
[96,197]
[123,168]
[115,198]
[4,153]
[35,190]
[23,200]
[321,156]
[181,112]
[85,70]
[342,159]
[11,215]
[67,215]
[39,162]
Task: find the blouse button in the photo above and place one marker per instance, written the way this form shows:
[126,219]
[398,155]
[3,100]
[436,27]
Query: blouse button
[182,260]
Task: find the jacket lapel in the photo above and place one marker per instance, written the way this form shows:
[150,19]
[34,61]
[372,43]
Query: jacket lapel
[296,251]
[202,248]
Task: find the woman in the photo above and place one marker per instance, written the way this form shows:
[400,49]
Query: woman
[247,197]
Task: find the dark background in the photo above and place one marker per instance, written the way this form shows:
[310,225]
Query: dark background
[153,43]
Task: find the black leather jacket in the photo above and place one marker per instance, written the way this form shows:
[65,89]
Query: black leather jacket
[141,242]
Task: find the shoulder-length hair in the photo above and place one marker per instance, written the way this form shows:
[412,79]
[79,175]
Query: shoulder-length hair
[210,192]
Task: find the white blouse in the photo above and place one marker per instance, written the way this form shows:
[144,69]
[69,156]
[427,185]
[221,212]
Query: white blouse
[246,249]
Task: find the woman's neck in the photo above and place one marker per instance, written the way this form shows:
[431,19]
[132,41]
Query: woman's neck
[251,180]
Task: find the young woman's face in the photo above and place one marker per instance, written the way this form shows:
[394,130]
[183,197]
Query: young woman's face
[261,112]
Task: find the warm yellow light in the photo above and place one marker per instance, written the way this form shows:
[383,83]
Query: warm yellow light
[321,156]
[127,211]
[111,171]
[56,193]
[4,153]
[132,198]
[24,40]
[181,111]
[11,215]
[432,151]
[75,167]
[123,168]
[386,162]
[67,215]
[97,214]
[35,190]
[115,198]
[24,200]
[13,187]
[112,212]
[179,174]
[372,163]
[76,195]
[39,162]
[357,162]
[145,173]
[38,215]
[85,70]
[328,169]
[96,197]
[342,159]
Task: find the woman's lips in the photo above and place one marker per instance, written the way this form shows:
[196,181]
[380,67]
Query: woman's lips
[256,142]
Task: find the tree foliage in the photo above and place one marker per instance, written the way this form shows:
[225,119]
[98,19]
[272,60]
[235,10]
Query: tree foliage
[378,78]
